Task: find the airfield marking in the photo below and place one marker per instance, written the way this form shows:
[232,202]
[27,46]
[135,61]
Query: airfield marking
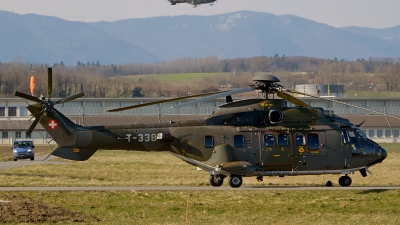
[206,188]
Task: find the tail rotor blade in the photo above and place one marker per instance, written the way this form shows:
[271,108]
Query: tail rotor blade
[49,82]
[70,98]
[35,122]
[28,97]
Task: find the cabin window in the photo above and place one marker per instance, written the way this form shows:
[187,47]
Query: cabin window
[283,140]
[238,140]
[313,141]
[269,140]
[209,141]
[300,139]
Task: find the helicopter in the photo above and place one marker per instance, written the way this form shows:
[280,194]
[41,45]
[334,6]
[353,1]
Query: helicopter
[254,137]
[195,3]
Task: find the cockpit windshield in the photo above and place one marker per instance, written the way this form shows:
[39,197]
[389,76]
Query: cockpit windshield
[352,135]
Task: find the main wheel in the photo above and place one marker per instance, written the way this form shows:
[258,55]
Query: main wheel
[345,181]
[216,180]
[235,181]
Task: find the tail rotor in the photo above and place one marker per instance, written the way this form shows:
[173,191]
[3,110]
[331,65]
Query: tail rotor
[46,106]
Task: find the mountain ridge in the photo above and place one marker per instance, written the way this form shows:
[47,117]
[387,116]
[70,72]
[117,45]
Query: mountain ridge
[46,39]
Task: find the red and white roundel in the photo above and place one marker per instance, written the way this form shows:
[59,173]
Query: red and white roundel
[52,124]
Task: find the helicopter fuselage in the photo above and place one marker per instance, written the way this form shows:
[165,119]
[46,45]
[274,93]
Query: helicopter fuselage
[304,141]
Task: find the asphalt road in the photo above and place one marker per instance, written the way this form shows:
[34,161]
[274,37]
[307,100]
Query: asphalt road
[24,162]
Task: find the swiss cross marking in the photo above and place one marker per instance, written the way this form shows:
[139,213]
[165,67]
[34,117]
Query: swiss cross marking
[52,124]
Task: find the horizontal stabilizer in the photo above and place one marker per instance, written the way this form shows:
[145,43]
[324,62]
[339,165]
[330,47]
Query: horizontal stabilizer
[76,154]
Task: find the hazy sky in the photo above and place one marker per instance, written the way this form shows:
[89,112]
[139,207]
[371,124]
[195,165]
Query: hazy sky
[338,13]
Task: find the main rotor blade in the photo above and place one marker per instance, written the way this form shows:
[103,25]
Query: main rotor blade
[223,94]
[26,96]
[159,102]
[70,98]
[35,122]
[339,102]
[49,82]
[292,99]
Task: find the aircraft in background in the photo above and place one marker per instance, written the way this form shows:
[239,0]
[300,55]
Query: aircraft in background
[195,3]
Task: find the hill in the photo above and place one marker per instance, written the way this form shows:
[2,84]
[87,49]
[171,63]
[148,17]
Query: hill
[247,34]
[44,39]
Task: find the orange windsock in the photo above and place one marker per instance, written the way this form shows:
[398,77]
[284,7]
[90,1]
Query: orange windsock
[33,81]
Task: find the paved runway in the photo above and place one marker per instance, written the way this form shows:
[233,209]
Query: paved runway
[185,188]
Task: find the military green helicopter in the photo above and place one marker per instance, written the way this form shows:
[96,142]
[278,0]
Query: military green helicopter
[245,138]
[195,3]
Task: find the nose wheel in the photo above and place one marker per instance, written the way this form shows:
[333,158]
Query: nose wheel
[345,181]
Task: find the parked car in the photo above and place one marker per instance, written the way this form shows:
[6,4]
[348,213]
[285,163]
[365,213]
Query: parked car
[23,150]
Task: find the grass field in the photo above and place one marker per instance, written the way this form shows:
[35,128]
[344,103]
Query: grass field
[121,168]
[129,168]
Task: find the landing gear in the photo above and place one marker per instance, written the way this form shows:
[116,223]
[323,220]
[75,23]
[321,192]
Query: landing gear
[260,178]
[216,180]
[235,181]
[345,181]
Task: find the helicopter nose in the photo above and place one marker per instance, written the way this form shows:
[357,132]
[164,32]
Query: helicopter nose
[383,154]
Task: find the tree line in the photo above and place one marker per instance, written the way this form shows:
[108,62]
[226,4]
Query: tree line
[96,80]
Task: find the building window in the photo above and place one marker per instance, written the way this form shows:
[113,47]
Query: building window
[209,141]
[238,140]
[379,133]
[313,141]
[12,111]
[2,111]
[5,134]
[283,140]
[371,133]
[300,140]
[396,133]
[388,133]
[269,140]
[17,134]
[28,135]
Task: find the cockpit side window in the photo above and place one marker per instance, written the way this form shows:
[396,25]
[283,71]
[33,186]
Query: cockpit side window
[349,137]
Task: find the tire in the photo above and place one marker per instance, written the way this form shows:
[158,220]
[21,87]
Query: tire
[345,181]
[216,180]
[15,159]
[235,181]
[33,158]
